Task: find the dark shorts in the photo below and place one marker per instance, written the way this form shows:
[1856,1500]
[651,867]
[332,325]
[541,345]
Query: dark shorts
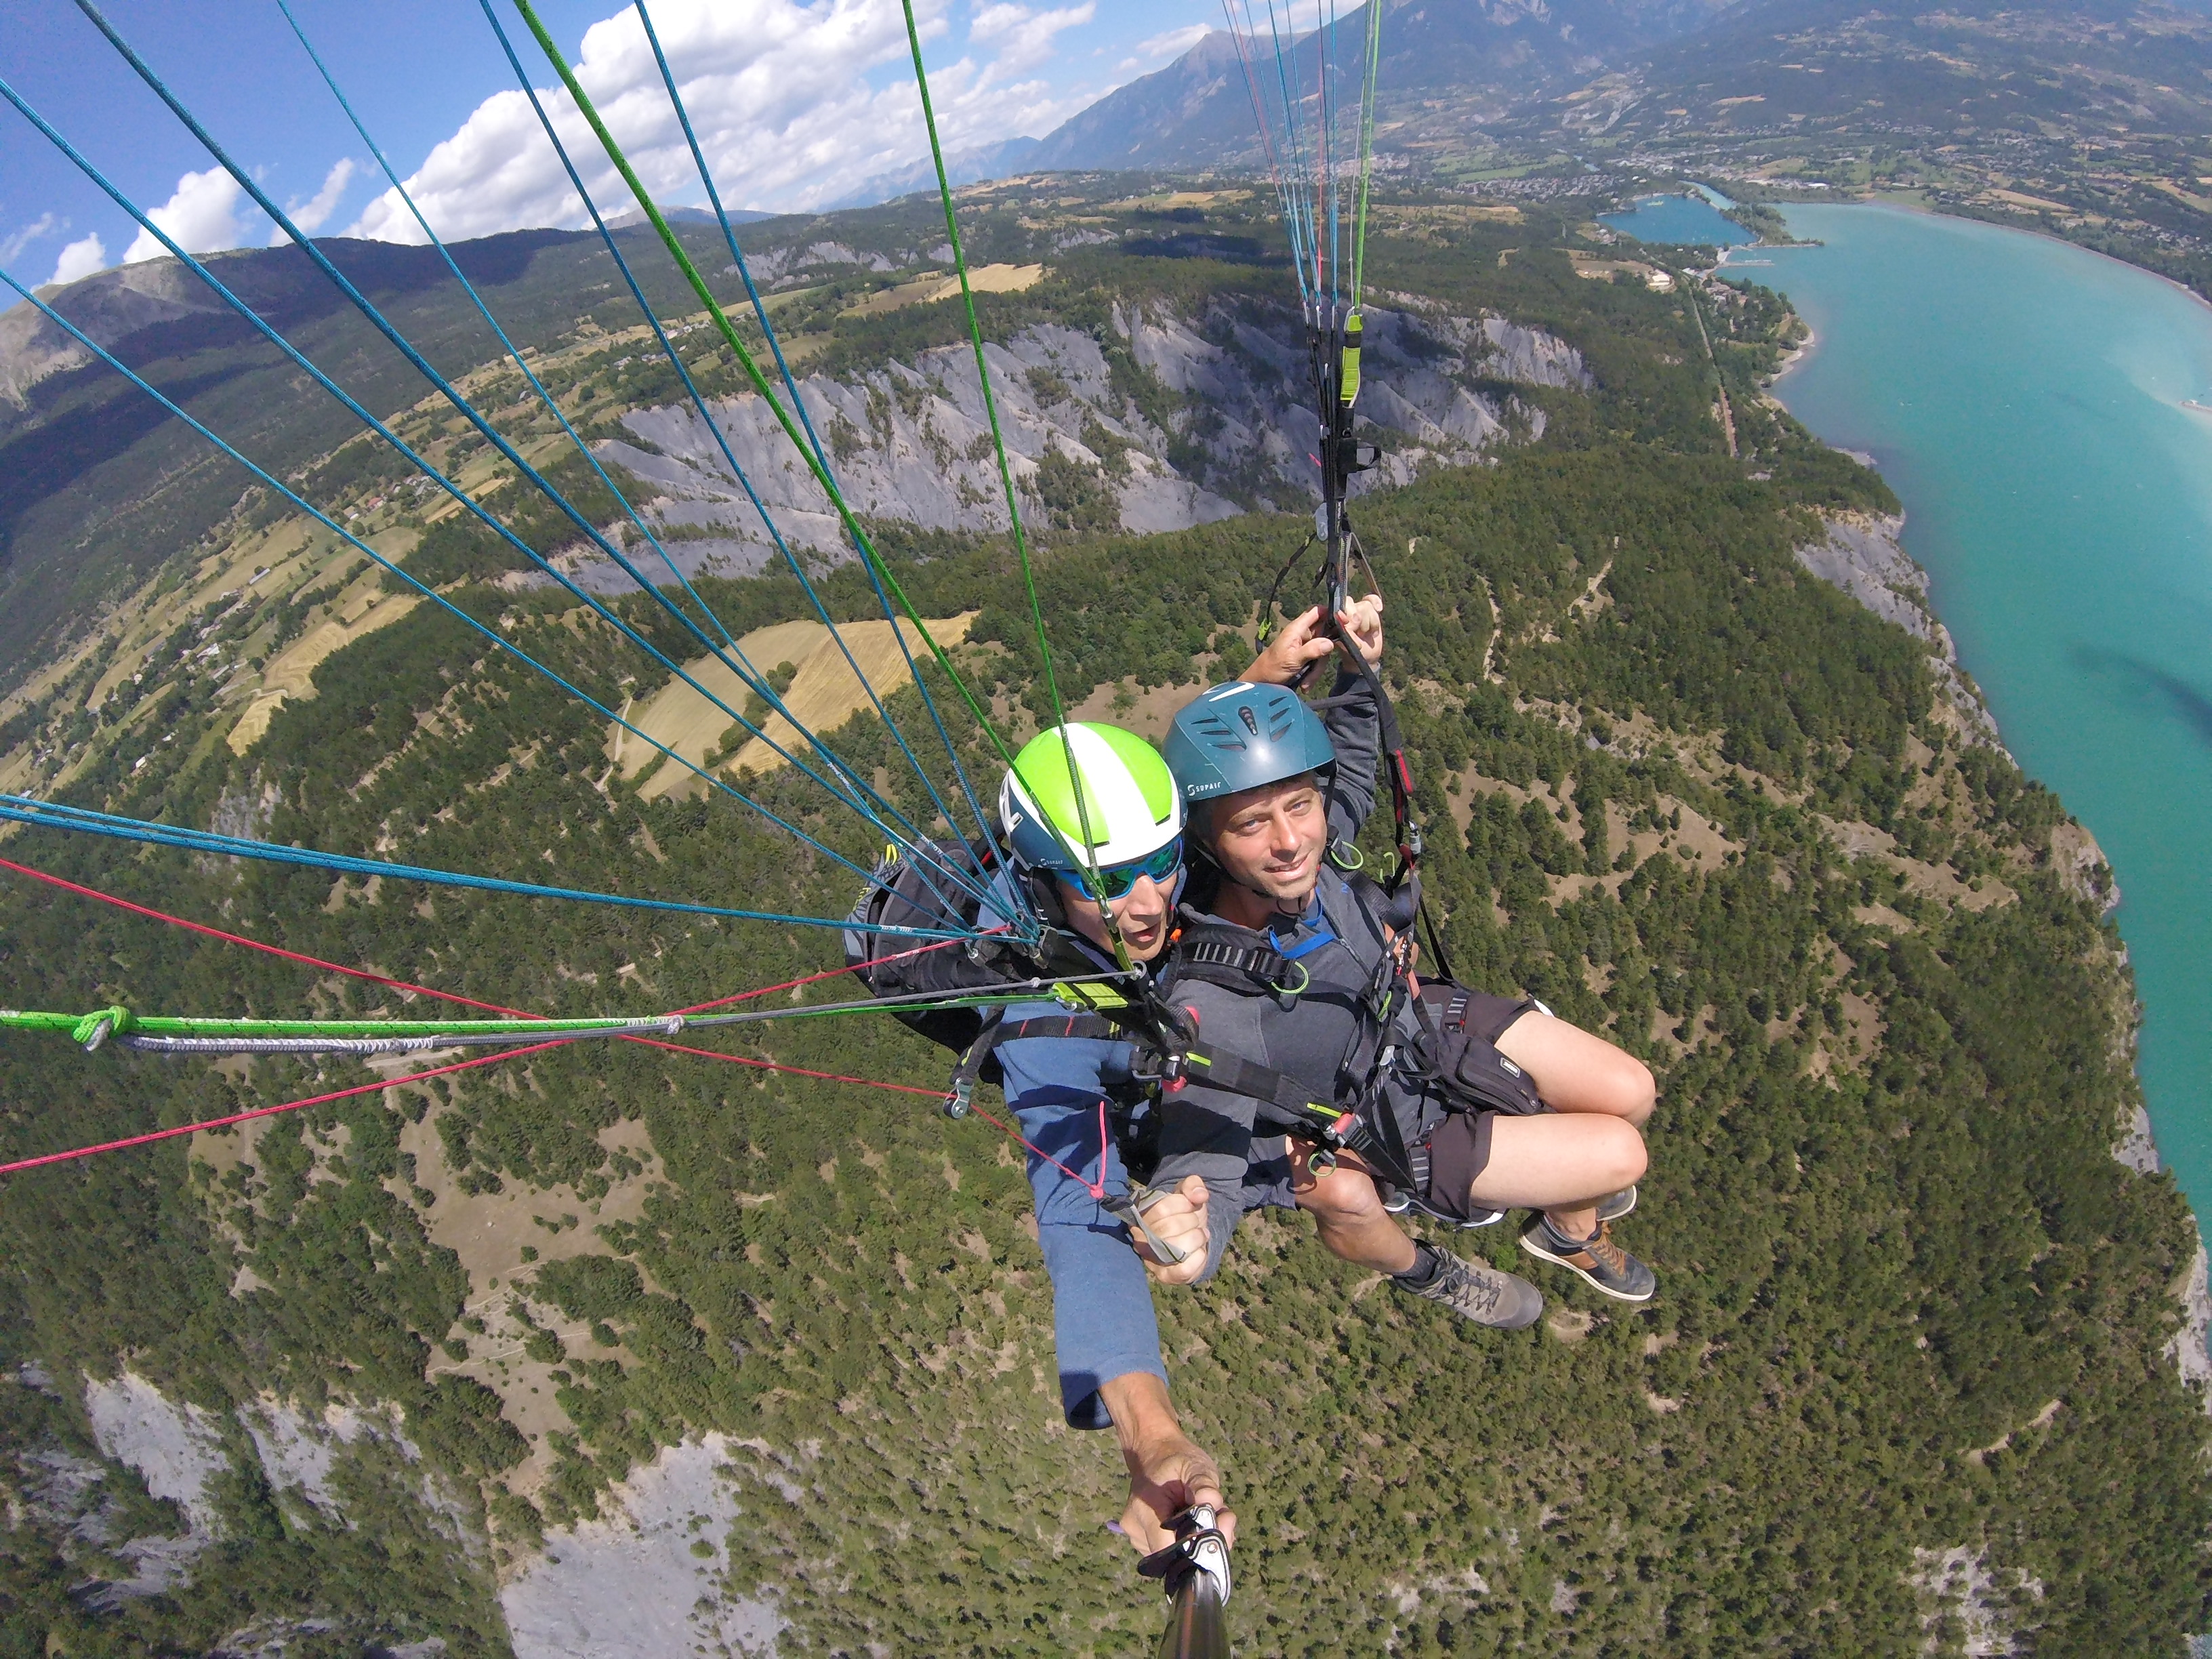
[1489,1016]
[1459,1151]
[1459,1146]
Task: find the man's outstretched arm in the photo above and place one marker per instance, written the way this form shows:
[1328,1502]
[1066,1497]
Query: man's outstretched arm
[1168,1473]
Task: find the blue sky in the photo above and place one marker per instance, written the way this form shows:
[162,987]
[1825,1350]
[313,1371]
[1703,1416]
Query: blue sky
[796,104]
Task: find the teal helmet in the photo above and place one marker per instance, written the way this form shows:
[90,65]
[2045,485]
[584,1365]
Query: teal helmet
[1128,808]
[1240,735]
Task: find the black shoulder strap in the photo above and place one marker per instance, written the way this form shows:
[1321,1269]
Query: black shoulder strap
[1285,1103]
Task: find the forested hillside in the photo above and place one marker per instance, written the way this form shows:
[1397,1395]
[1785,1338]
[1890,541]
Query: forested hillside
[1910,1383]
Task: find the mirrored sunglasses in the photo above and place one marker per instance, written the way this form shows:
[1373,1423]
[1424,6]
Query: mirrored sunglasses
[1116,880]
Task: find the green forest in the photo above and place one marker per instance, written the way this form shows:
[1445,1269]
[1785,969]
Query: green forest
[1910,1303]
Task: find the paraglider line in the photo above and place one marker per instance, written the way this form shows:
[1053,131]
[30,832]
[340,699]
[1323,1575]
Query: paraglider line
[271,1111]
[363,548]
[798,405]
[490,434]
[752,369]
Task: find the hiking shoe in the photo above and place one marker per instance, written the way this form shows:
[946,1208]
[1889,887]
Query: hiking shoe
[1598,1259]
[1613,1206]
[1480,1293]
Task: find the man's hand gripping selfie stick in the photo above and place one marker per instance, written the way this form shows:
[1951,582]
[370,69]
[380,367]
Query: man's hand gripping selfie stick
[1196,1569]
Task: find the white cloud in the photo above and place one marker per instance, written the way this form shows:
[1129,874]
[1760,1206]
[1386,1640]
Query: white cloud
[80,259]
[1027,35]
[12,248]
[202,216]
[310,216]
[1173,43]
[782,94]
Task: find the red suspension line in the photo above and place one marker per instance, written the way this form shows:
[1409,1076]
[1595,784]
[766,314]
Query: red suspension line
[1096,1189]
[271,1111]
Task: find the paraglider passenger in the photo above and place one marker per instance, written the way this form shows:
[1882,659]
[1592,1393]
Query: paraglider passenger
[1475,1103]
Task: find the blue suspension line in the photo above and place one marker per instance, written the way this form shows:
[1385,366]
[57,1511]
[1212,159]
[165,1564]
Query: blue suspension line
[1246,41]
[436,598]
[743,667]
[1302,231]
[446,483]
[49,815]
[714,429]
[1325,67]
[730,236]
[490,434]
[552,404]
[798,407]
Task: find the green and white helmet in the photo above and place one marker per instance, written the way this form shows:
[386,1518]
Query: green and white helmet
[1129,800]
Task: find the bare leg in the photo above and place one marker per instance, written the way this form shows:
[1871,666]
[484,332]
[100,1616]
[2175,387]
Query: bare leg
[1560,1164]
[1576,1071]
[1348,1213]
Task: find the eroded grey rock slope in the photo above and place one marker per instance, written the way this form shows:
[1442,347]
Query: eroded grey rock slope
[1222,426]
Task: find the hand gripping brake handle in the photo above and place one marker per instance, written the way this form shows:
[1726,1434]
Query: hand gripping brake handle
[1129,1210]
[1196,1569]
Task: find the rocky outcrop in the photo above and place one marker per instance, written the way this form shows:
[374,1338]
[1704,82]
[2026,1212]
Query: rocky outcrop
[2138,1149]
[1862,555]
[647,1582]
[176,1448]
[1223,426]
[2189,1351]
[110,307]
[777,264]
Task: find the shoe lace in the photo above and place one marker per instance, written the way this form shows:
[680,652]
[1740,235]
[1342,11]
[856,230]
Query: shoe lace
[1470,1290]
[1603,1250]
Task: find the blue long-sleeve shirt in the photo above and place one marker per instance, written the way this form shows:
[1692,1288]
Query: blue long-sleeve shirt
[1103,1321]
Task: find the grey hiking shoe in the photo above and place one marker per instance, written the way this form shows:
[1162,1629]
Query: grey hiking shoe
[1613,1206]
[1480,1293]
[1598,1259]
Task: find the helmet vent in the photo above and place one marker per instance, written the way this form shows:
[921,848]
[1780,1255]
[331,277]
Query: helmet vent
[1251,725]
[1219,733]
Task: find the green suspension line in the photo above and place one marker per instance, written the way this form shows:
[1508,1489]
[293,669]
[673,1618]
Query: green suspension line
[1006,474]
[729,333]
[683,262]
[91,1029]
[1366,152]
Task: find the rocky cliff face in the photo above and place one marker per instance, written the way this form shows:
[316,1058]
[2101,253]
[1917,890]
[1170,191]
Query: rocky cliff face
[1175,420]
[1863,555]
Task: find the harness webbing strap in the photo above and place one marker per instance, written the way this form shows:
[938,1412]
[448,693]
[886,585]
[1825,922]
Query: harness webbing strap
[1247,961]
[1284,1101]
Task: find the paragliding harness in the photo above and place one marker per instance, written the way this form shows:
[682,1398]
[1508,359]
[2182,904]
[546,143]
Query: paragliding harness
[1454,1065]
[917,894]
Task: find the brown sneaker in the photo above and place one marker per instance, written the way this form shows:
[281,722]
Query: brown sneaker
[1598,1259]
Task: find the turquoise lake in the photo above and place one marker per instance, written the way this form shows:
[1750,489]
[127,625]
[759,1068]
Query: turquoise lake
[1691,221]
[2027,400]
